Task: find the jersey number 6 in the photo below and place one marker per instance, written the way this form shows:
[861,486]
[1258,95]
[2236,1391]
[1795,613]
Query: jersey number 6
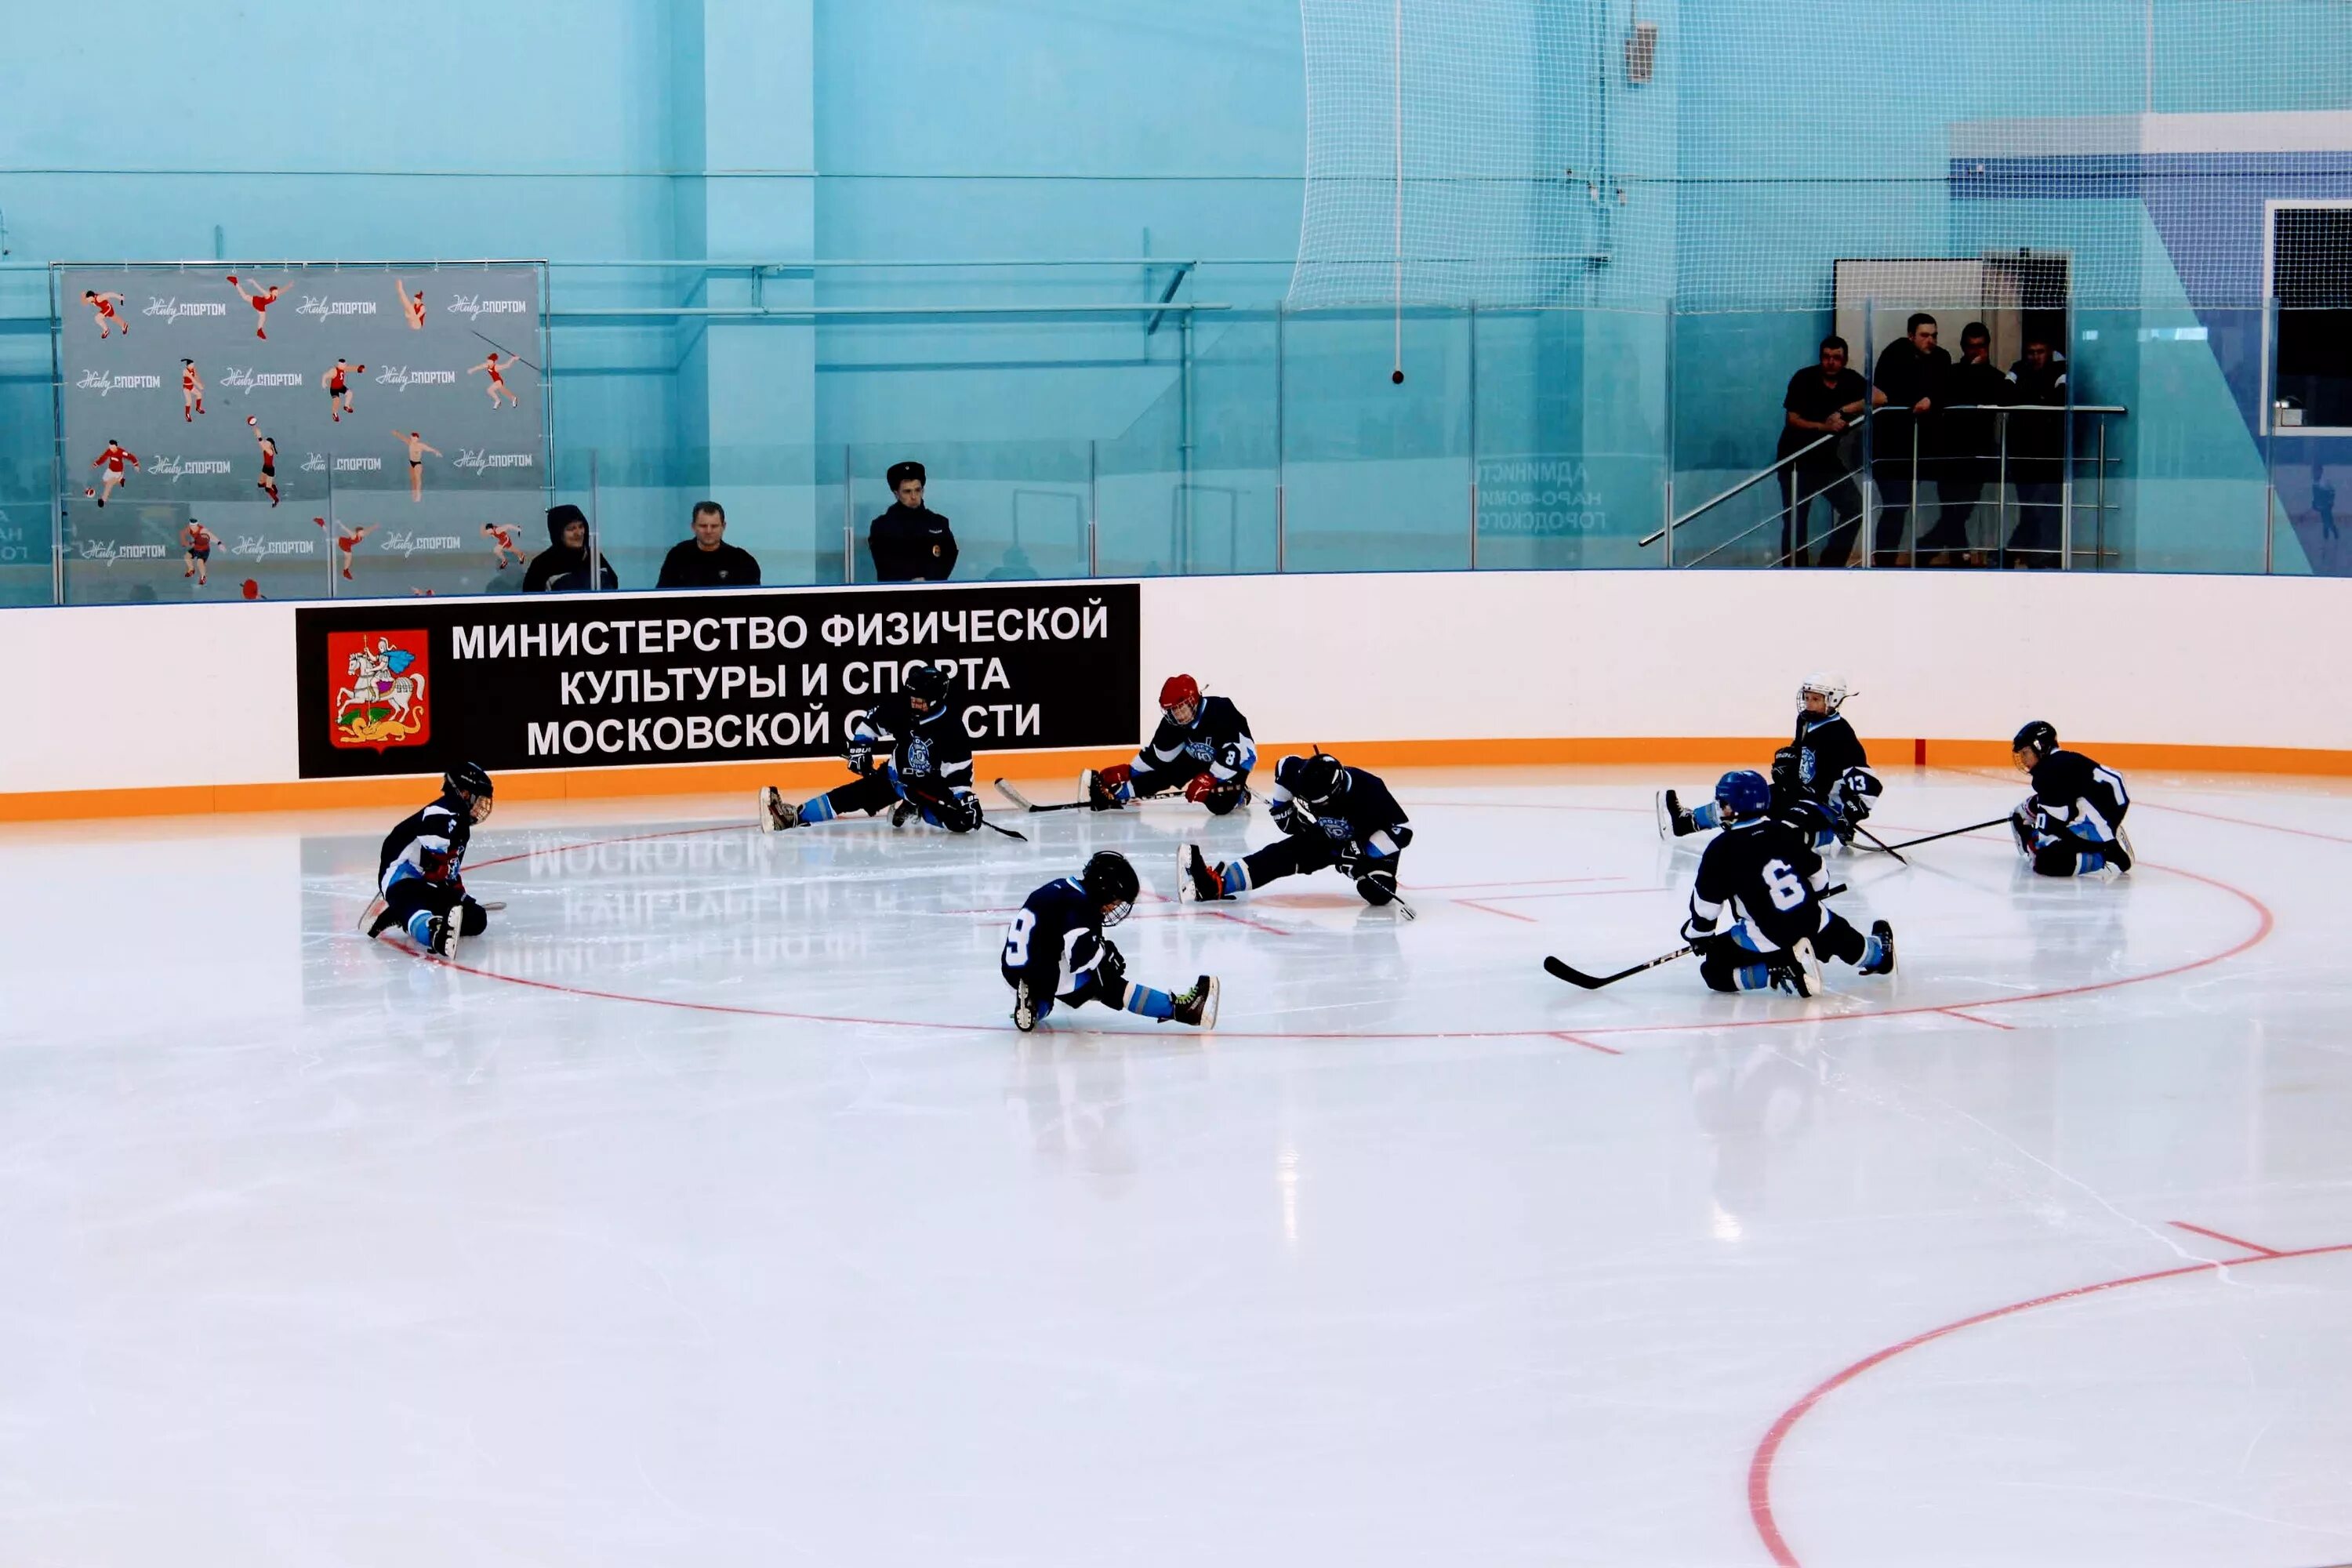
[1780,878]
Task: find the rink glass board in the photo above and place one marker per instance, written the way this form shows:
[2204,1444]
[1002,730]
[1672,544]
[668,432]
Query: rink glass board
[486,465]
[599,680]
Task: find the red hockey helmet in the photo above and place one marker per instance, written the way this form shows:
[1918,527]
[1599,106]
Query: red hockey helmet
[1178,690]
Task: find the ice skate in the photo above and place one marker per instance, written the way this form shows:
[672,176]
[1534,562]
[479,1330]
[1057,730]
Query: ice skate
[776,813]
[1197,1006]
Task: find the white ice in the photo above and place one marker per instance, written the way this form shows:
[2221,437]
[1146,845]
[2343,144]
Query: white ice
[712,1214]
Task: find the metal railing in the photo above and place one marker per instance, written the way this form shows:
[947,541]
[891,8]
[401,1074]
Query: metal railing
[1915,468]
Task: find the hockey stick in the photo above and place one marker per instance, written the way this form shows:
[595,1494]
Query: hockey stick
[1559,971]
[1006,831]
[1882,843]
[1025,804]
[1947,833]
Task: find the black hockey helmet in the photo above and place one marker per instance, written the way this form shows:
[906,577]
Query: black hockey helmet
[2039,736]
[469,782]
[1318,777]
[1111,883]
[1787,769]
[929,682]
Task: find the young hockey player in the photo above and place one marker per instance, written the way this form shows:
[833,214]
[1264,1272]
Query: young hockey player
[2073,823]
[1331,815]
[1756,916]
[420,876]
[1055,951]
[1833,771]
[1202,746]
[928,775]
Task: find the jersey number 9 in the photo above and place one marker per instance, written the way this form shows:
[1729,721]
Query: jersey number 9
[1780,879]
[1016,940]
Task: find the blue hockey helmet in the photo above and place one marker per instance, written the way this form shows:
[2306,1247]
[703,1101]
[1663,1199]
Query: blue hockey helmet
[1742,793]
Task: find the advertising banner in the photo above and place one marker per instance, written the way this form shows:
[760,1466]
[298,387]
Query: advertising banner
[603,681]
[314,429]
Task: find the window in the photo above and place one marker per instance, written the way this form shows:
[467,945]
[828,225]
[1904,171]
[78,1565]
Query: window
[2311,279]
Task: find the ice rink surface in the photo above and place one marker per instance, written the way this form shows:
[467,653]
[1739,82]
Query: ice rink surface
[712,1213]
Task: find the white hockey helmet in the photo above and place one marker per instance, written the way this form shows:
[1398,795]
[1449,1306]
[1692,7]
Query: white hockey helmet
[1831,687]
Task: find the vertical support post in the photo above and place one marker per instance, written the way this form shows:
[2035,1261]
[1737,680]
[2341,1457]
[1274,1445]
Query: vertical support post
[2270,402]
[56,439]
[1667,381]
[1281,472]
[596,532]
[1473,321]
[848,522]
[1184,454]
[2099,527]
[2000,495]
[1911,513]
[2066,448]
[1094,509]
[1868,541]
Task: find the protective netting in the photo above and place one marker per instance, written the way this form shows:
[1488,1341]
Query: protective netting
[1548,152]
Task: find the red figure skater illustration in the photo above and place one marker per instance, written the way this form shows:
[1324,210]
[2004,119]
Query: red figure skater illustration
[417,450]
[191,391]
[197,541]
[496,366]
[260,300]
[112,460]
[502,544]
[104,305]
[338,387]
[411,305]
[347,541]
[267,482]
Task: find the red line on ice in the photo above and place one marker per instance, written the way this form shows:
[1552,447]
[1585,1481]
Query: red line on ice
[2234,1241]
[1760,1468]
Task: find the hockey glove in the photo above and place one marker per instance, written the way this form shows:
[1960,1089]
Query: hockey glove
[1293,817]
[1849,798]
[861,756]
[1199,787]
[1110,973]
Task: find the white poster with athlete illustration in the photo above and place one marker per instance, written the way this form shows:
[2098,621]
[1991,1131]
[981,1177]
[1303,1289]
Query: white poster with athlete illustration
[300,430]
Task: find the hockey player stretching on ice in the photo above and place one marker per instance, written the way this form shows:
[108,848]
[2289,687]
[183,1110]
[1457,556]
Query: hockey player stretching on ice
[1832,770]
[420,877]
[1756,916]
[2073,823]
[1329,816]
[929,774]
[1202,746]
[1055,951]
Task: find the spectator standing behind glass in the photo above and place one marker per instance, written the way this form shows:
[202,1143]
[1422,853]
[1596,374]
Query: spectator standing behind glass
[562,566]
[1820,400]
[911,543]
[1972,450]
[707,560]
[2037,453]
[1909,377]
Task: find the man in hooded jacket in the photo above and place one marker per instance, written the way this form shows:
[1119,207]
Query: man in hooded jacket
[562,566]
[911,543]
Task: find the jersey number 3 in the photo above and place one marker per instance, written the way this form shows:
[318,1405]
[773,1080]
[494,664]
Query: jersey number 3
[1016,940]
[1780,878]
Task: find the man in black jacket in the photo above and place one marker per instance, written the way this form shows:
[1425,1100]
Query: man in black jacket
[911,543]
[707,560]
[562,566]
[1910,372]
[1971,449]
[1820,401]
[2037,451]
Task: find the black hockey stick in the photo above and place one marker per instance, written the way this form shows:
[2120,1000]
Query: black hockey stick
[1025,804]
[1882,843]
[1947,833]
[1559,971]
